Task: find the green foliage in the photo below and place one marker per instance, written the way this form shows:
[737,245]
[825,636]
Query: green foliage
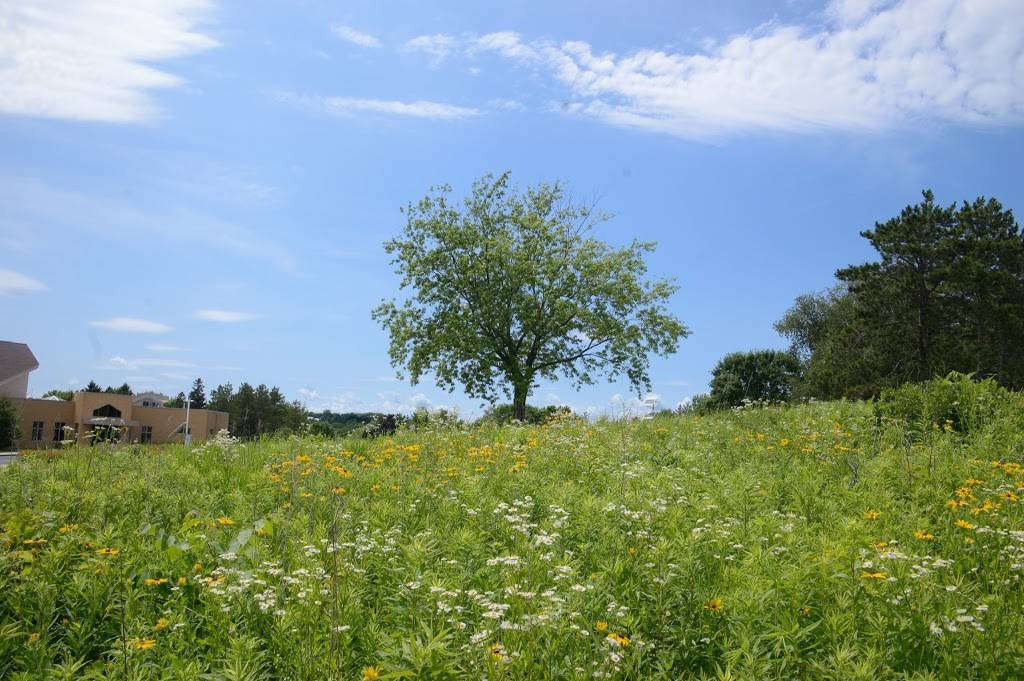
[123,389]
[322,429]
[346,422]
[505,413]
[93,387]
[197,396]
[956,402]
[177,402]
[510,288]
[756,376]
[382,425]
[66,395]
[8,424]
[947,294]
[257,411]
[804,542]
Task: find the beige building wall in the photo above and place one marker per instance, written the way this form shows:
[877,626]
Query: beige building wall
[15,386]
[162,422]
[50,413]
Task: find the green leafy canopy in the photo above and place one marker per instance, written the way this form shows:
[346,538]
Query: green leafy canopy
[511,286]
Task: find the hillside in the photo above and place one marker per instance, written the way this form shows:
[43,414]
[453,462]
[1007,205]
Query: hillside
[802,542]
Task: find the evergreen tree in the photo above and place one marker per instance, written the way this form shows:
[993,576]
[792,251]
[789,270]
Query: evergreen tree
[93,387]
[198,394]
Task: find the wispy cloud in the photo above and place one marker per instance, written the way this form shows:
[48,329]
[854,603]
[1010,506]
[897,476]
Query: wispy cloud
[131,325]
[507,104]
[12,282]
[31,207]
[437,46]
[355,37]
[93,59]
[873,65]
[164,348]
[224,316]
[352,105]
[118,362]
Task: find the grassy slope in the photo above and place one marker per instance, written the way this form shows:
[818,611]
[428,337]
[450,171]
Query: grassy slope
[766,544]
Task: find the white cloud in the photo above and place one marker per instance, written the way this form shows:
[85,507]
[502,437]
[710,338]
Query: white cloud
[164,348]
[309,394]
[119,362]
[131,325]
[352,105]
[224,316]
[12,282]
[355,37]
[93,59]
[438,46]
[875,65]
[507,104]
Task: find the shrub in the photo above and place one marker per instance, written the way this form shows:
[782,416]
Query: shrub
[382,424]
[955,402]
[8,424]
[756,376]
[503,413]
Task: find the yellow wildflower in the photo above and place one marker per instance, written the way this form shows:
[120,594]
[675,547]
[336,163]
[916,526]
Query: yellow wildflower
[965,525]
[224,520]
[154,581]
[873,575]
[161,624]
[715,605]
[617,639]
[922,534]
[601,626]
[872,515]
[107,551]
[371,673]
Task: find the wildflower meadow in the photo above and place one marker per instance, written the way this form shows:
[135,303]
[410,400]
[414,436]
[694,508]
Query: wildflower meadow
[816,541]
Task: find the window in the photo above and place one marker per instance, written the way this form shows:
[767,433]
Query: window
[37,431]
[146,435]
[107,410]
[58,431]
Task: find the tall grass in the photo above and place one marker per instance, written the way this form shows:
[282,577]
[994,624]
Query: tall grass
[814,542]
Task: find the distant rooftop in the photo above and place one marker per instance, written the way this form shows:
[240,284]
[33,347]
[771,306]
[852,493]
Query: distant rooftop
[15,359]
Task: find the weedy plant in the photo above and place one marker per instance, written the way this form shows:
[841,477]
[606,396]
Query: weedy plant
[814,542]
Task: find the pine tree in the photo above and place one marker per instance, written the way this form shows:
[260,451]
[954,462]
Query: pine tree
[198,394]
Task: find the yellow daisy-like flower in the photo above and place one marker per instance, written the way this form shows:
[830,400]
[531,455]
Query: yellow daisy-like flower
[107,551]
[714,605]
[154,581]
[922,534]
[873,575]
[143,643]
[617,639]
[371,673]
[497,651]
[601,626]
[68,528]
[964,525]
[161,624]
[33,637]
[34,542]
[872,515]
[224,520]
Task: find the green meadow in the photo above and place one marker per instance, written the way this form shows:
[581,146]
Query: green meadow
[816,541]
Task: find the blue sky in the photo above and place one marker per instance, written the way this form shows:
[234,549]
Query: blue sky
[194,188]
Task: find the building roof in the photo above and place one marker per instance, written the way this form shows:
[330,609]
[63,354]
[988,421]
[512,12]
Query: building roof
[15,359]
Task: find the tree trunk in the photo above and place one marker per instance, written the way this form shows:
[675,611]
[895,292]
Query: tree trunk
[519,401]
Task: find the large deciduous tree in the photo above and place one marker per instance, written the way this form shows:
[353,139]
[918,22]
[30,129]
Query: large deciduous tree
[511,287]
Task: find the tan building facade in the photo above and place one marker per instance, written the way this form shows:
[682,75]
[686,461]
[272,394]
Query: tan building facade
[105,416]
